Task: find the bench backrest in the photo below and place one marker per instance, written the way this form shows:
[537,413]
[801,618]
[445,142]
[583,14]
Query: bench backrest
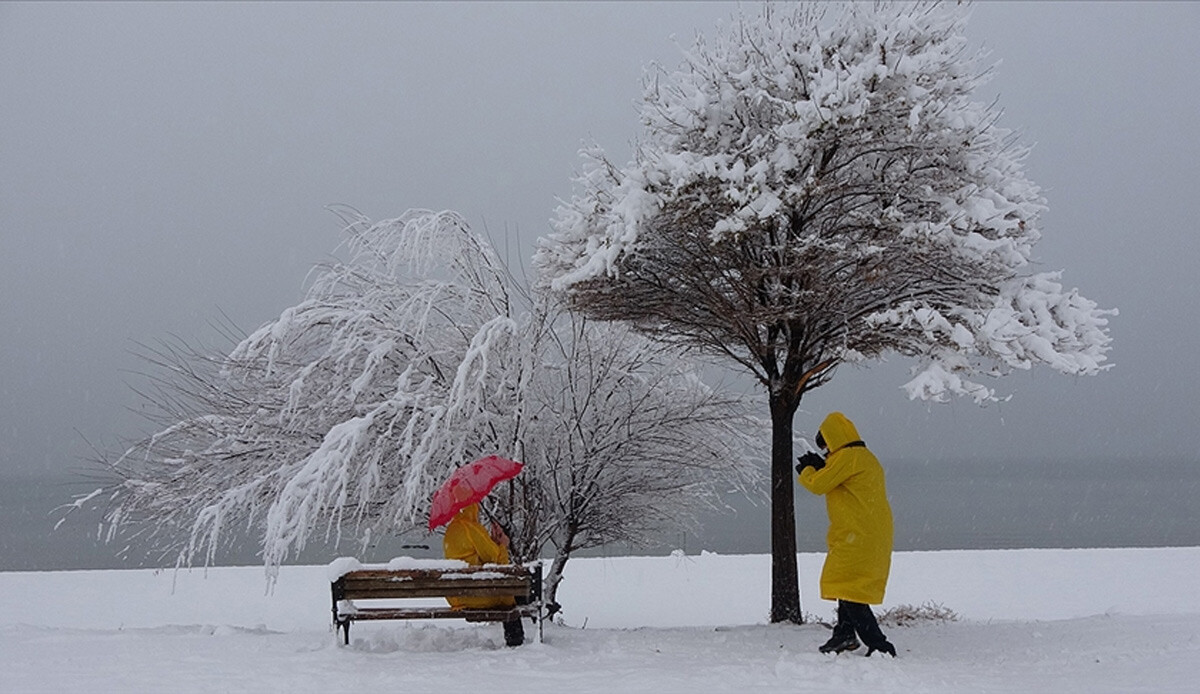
[473,581]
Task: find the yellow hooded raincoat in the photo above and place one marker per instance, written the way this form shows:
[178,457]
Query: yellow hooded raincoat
[467,540]
[860,518]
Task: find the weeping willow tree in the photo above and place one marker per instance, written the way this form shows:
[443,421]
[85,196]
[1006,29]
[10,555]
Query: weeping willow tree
[417,354]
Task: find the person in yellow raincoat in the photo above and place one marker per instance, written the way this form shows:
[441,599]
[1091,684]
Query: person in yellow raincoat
[467,540]
[860,532]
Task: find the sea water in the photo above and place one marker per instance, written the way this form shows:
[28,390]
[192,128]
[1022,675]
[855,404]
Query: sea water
[962,504]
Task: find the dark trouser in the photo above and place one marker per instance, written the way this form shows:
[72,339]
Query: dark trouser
[855,617]
[514,633]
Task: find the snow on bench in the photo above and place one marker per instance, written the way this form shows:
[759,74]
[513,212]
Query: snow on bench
[405,577]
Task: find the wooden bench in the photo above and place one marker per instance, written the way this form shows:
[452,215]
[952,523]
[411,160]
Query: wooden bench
[523,583]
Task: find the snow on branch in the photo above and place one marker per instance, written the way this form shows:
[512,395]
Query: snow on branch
[339,418]
[816,184]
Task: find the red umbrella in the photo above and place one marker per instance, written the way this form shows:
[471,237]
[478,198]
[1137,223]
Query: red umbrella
[468,485]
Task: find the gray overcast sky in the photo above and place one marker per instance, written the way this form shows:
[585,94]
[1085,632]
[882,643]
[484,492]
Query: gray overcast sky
[162,163]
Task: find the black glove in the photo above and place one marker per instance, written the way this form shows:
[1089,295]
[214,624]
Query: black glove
[810,459]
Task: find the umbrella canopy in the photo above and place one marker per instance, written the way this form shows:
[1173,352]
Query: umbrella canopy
[468,485]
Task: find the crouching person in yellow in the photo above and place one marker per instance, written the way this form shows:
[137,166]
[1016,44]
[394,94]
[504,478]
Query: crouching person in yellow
[860,533]
[467,540]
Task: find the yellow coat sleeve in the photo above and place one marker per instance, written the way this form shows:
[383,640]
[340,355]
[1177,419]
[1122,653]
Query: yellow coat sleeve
[825,480]
[468,541]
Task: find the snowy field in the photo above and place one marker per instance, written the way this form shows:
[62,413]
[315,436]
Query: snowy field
[1094,620]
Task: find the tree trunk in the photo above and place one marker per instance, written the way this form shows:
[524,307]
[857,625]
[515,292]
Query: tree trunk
[551,581]
[785,582]
[562,552]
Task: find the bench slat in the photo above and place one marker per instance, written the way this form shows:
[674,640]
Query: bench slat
[471,615]
[373,588]
[470,573]
[435,592]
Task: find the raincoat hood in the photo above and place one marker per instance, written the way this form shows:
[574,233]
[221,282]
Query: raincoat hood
[838,431]
[469,512]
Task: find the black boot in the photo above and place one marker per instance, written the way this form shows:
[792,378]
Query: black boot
[514,633]
[867,626]
[842,640]
[843,634]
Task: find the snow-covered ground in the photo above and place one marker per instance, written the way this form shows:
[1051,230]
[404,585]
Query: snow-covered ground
[1095,620]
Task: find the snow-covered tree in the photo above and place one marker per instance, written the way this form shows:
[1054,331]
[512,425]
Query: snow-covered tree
[414,356]
[627,437]
[816,186]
